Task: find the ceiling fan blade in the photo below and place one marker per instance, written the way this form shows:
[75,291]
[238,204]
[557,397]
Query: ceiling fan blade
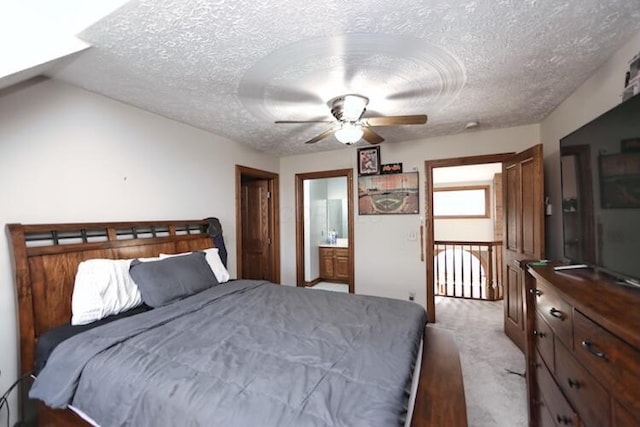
[303,121]
[370,136]
[418,119]
[323,135]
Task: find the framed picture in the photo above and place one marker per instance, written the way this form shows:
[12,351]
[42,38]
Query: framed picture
[369,160]
[620,180]
[388,194]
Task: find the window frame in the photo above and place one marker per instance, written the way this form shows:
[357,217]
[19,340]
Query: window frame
[487,201]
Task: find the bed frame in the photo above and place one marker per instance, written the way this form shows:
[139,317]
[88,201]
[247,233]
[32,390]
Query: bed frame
[45,259]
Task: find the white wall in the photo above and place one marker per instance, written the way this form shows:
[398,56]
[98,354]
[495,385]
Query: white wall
[387,263]
[599,93]
[70,155]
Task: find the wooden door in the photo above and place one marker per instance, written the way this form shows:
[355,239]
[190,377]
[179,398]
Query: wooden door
[523,192]
[256,241]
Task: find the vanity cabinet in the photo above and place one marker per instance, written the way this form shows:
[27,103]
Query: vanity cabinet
[583,349]
[334,263]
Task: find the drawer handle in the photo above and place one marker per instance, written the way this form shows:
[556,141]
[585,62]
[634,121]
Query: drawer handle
[588,345]
[539,334]
[564,419]
[573,383]
[536,292]
[556,313]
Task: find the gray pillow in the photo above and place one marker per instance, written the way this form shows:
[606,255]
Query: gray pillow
[162,282]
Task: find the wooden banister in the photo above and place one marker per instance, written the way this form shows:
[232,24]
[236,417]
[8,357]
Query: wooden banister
[455,276]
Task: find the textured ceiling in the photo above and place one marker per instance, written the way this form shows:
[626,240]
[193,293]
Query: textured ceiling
[233,67]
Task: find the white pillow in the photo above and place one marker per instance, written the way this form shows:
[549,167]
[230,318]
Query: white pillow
[102,287]
[214,261]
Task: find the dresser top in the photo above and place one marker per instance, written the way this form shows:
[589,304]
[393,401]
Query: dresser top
[614,306]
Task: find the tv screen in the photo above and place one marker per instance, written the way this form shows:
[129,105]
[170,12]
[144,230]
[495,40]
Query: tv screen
[600,165]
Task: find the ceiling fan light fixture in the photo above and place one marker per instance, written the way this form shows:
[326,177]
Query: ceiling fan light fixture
[349,133]
[353,107]
[471,125]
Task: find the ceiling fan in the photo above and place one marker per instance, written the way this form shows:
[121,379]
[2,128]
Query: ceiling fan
[349,125]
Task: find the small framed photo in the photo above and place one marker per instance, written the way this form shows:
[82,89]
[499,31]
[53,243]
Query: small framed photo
[369,160]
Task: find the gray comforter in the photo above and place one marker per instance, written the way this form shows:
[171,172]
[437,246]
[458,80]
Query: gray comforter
[245,353]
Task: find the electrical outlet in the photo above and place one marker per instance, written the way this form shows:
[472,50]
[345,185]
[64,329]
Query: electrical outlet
[412,296]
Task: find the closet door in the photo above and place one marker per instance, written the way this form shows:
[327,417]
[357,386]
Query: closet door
[256,255]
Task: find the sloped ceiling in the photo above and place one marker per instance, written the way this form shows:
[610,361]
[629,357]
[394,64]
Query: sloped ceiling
[233,67]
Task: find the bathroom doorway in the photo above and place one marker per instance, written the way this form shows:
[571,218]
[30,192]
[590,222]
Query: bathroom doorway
[324,228]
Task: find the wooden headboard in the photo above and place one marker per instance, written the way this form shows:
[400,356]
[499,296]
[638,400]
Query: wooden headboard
[46,256]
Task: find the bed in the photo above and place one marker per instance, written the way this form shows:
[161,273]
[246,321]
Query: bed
[359,382]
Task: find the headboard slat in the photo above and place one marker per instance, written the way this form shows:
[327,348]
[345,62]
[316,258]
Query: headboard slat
[109,244]
[45,266]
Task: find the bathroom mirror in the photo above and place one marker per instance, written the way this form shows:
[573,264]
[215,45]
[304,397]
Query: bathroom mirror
[337,215]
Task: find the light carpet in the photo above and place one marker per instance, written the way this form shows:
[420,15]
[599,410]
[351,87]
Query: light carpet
[495,397]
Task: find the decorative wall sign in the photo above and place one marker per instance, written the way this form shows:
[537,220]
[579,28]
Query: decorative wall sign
[391,168]
[388,194]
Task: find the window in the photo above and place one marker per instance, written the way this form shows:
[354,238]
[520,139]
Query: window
[461,202]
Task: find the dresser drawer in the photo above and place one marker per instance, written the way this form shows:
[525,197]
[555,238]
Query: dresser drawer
[614,362]
[544,342]
[622,418]
[544,417]
[558,407]
[555,311]
[590,400]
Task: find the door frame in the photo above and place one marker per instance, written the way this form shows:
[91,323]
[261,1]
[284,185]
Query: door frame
[274,217]
[300,178]
[429,166]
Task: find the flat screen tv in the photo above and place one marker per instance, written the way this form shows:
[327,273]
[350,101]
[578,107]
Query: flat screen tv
[600,165]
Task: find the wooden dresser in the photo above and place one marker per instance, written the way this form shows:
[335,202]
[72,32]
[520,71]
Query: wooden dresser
[582,348]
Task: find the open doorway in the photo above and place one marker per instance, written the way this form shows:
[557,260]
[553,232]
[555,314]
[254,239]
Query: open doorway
[523,229]
[431,251]
[468,223]
[257,224]
[324,230]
